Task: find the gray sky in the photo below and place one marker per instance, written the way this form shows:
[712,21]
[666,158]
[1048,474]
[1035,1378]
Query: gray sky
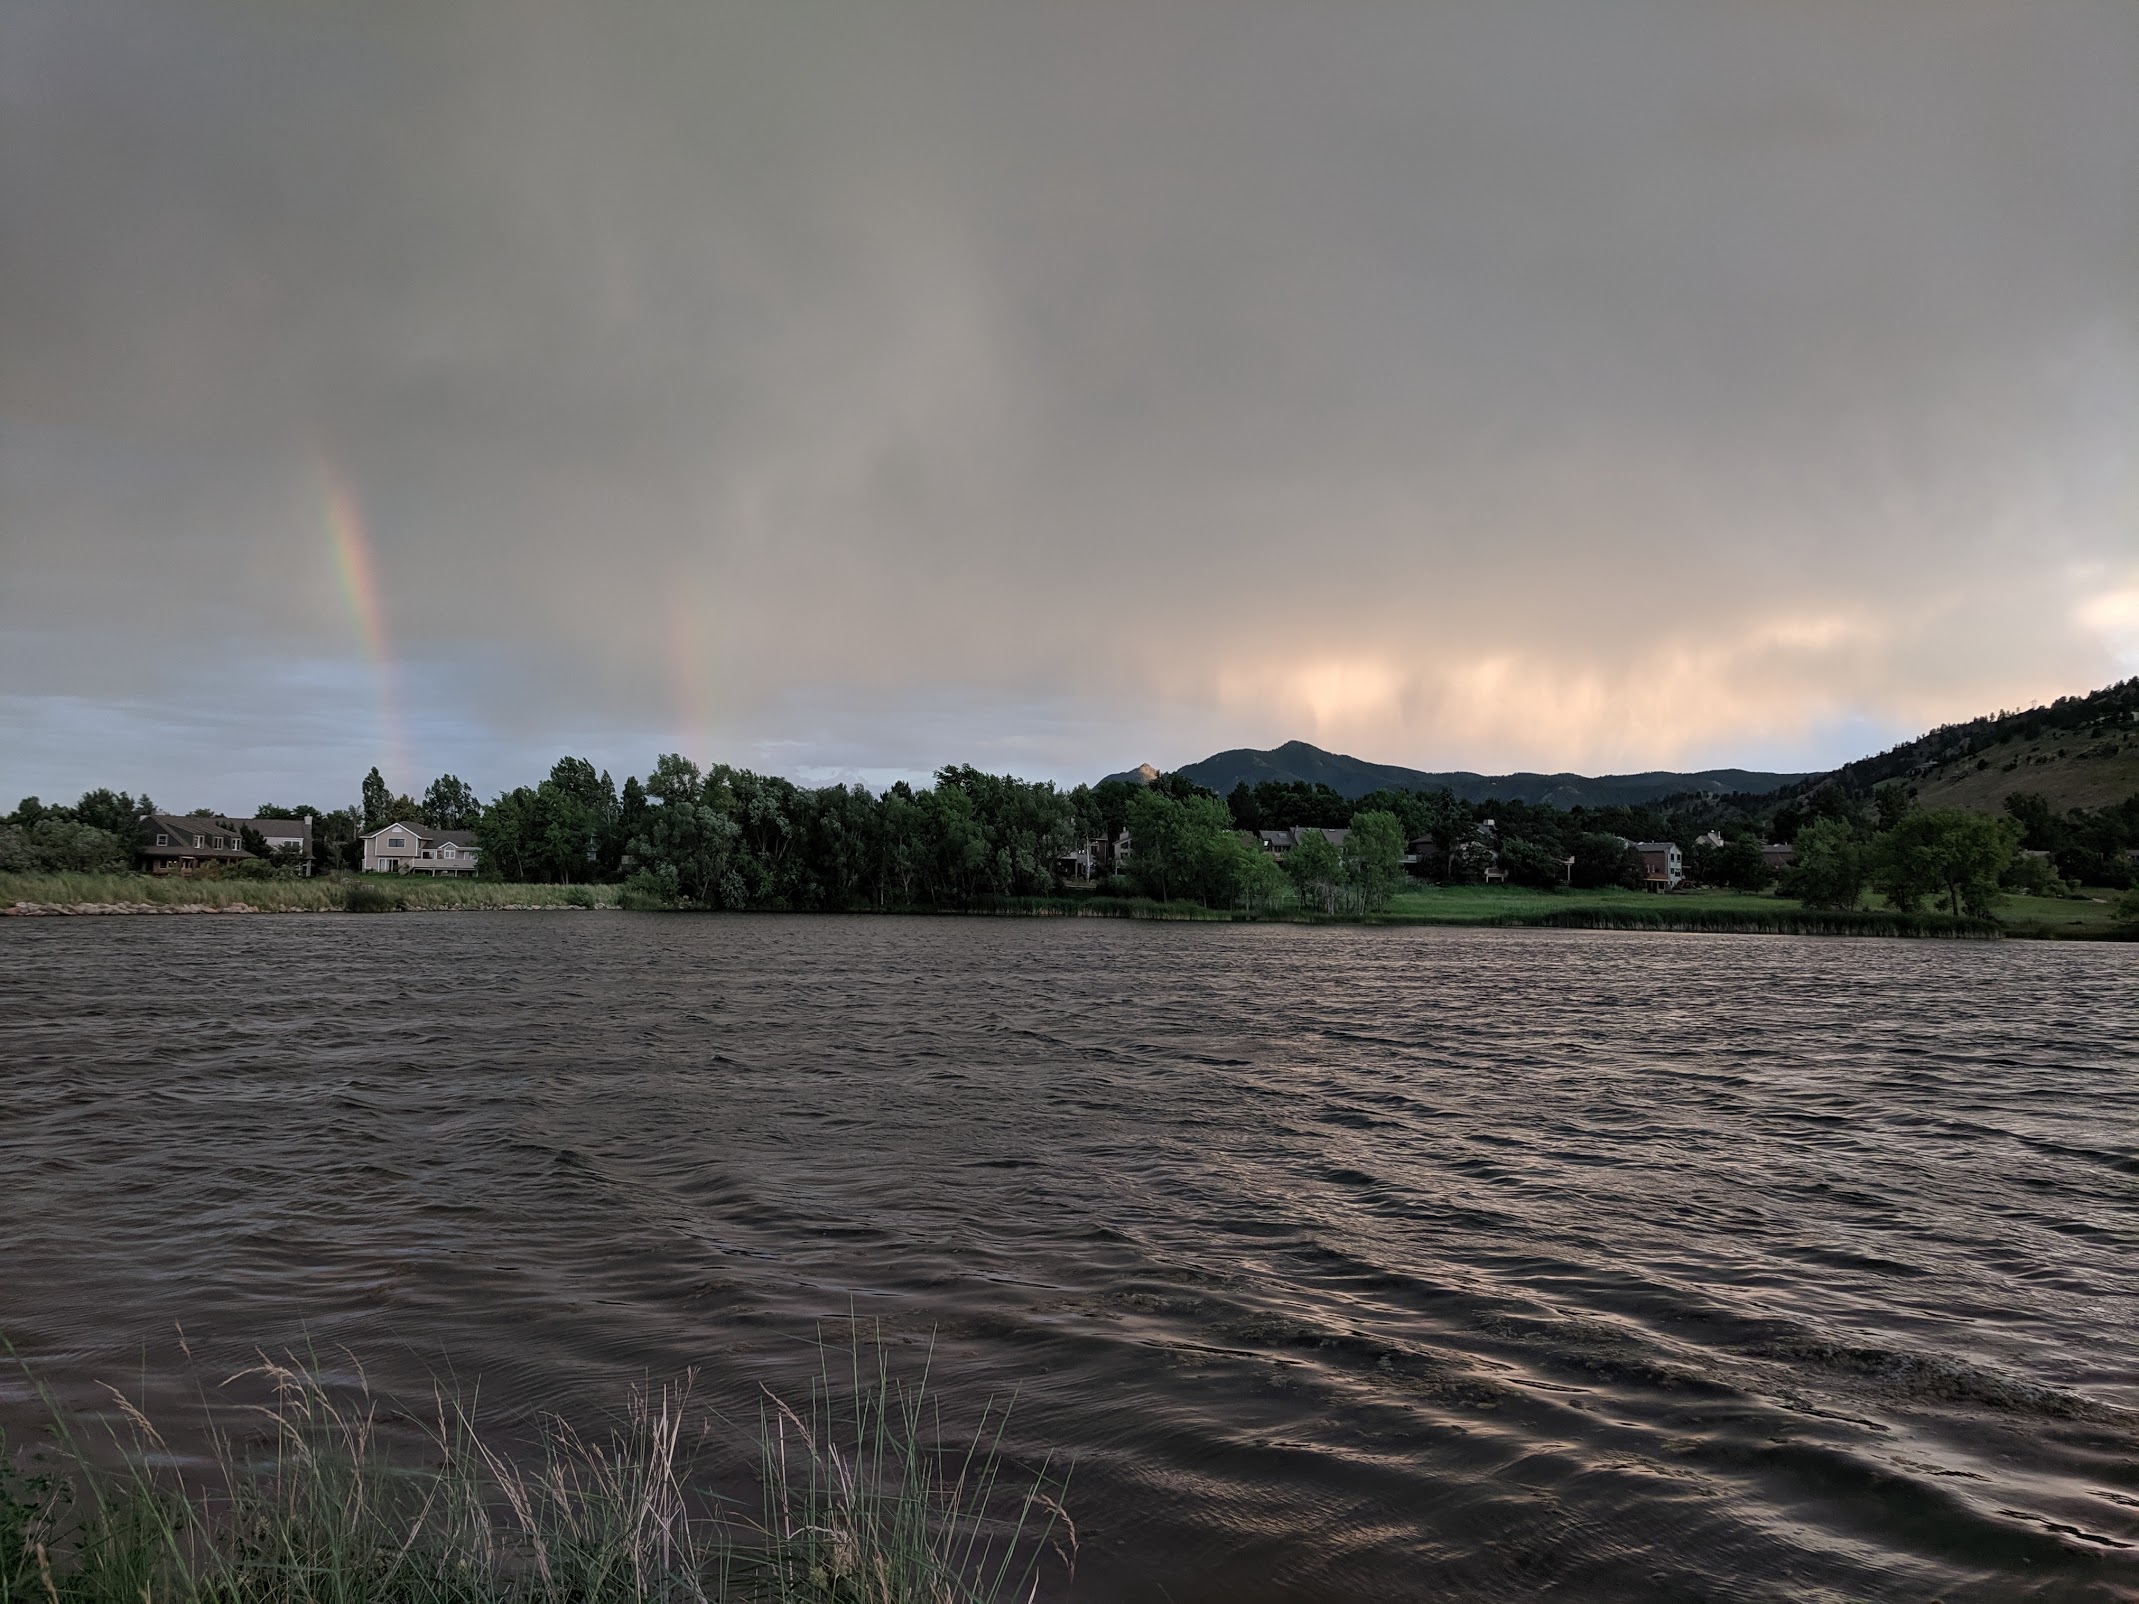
[845,389]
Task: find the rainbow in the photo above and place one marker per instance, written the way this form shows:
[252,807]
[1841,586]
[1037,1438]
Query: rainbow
[690,674]
[354,565]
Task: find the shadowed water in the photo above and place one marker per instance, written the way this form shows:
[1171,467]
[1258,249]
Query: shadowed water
[1346,1263]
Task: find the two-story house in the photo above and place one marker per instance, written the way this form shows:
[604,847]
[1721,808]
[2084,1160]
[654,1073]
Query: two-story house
[284,835]
[403,848]
[168,844]
[1663,865]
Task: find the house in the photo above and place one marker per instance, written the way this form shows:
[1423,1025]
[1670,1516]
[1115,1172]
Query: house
[293,835]
[403,848]
[1082,862]
[1663,865]
[1116,853]
[1778,854]
[1283,841]
[169,844]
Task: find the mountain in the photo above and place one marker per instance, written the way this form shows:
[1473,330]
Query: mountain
[1355,777]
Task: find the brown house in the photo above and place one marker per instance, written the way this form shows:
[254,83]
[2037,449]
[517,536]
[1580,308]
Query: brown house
[170,845]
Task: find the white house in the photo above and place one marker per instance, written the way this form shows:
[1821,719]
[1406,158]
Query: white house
[1662,864]
[417,849]
[295,835]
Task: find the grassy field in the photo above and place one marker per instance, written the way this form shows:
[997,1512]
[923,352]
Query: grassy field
[386,893]
[2092,915]
[1470,905]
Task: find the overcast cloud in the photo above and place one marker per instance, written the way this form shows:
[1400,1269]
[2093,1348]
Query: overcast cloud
[850,389]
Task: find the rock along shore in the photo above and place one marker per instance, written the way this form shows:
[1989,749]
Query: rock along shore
[33,910]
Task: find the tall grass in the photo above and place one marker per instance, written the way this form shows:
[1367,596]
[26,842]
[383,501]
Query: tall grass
[865,1499]
[1754,919]
[321,894]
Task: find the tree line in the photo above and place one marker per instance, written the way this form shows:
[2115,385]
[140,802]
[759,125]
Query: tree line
[726,837]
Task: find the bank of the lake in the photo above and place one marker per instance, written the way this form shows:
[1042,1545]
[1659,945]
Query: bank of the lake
[62,893]
[2088,916]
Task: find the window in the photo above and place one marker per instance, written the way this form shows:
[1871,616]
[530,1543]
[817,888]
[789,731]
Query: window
[197,843]
[447,853]
[163,840]
[395,842]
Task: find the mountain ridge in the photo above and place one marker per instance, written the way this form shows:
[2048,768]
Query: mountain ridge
[1351,777]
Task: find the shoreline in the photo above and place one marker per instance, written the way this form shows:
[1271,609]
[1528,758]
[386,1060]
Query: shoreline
[1459,908]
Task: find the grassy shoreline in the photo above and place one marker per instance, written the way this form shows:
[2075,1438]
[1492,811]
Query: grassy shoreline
[144,893]
[2021,918]
[314,1491]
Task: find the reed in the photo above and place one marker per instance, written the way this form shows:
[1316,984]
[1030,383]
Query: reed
[1754,919]
[320,894]
[865,1499]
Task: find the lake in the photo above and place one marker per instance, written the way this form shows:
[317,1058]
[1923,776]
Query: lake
[1345,1263]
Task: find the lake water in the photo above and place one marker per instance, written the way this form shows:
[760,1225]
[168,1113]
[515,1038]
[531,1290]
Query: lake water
[1346,1263]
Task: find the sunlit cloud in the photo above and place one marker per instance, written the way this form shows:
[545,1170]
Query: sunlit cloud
[2113,616]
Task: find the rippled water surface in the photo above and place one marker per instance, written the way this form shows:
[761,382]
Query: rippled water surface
[1346,1263]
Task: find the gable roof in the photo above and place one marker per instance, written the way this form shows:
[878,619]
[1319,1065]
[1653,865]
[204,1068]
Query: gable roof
[182,830]
[286,829]
[424,835]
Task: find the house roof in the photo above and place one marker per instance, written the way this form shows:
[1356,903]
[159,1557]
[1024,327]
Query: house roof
[1292,837]
[182,830]
[284,829]
[425,836]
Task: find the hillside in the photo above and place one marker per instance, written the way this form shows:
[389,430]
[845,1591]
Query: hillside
[2069,771]
[1354,777]
[2080,751]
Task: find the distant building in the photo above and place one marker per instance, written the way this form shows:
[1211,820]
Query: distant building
[1778,854]
[1663,865]
[1283,841]
[1096,858]
[418,849]
[1083,862]
[283,835]
[169,844]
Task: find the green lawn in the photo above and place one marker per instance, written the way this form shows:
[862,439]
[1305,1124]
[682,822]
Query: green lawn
[2064,916]
[2093,915]
[1471,904]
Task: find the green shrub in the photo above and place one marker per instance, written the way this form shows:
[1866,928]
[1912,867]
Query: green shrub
[648,891]
[365,897]
[60,846]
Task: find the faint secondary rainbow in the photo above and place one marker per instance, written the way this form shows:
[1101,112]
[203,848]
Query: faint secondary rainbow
[690,671]
[358,571]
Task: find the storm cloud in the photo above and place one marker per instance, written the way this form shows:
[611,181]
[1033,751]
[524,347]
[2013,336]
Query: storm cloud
[849,389]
